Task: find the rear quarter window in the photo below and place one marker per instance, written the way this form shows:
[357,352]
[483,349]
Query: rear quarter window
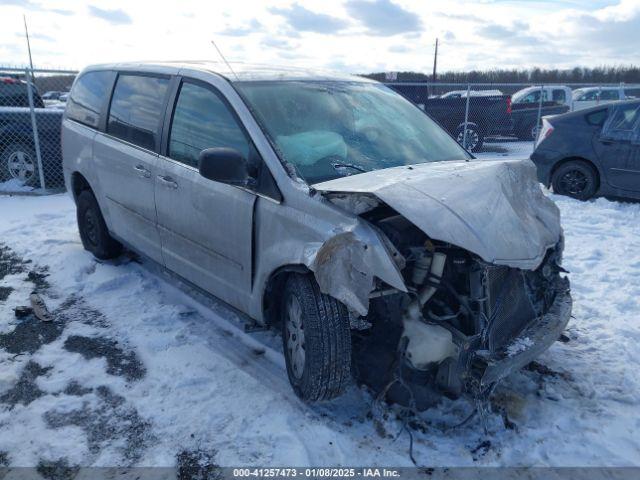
[597,118]
[87,97]
[136,109]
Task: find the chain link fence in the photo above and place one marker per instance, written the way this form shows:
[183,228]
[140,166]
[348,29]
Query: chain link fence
[32,103]
[490,120]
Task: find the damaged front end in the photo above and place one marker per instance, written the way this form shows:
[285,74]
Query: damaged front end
[465,319]
[463,325]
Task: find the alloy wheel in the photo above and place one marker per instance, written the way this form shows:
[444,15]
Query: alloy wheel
[574,182]
[471,141]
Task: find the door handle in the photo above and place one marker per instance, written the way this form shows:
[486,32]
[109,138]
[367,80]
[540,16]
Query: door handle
[167,181]
[143,172]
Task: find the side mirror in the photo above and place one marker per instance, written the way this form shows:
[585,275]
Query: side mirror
[225,165]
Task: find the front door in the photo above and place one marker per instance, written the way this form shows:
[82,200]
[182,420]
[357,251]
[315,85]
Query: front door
[127,162]
[618,147]
[206,227]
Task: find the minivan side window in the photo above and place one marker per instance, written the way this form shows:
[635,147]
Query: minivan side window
[201,120]
[137,106]
[85,101]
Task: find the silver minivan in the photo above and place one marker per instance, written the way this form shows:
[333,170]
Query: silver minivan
[329,206]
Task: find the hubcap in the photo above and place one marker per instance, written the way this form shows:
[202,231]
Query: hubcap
[472,139]
[21,166]
[91,227]
[574,182]
[295,336]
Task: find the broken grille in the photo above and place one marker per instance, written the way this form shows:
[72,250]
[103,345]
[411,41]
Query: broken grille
[509,307]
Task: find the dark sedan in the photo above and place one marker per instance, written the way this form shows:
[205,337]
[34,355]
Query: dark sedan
[592,152]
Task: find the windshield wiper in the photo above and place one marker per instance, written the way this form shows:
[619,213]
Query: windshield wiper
[348,165]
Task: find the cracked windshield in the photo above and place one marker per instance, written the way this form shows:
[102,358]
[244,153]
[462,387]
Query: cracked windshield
[333,129]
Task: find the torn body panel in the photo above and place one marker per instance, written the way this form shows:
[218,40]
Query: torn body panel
[346,265]
[342,271]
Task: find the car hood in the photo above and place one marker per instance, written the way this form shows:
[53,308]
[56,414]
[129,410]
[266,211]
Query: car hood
[495,209]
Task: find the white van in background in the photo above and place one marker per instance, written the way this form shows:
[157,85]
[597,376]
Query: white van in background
[559,94]
[592,96]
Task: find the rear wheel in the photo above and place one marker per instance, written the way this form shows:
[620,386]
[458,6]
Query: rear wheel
[18,161]
[93,230]
[316,340]
[575,179]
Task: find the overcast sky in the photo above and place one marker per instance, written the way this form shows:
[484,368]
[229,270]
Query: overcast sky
[346,35]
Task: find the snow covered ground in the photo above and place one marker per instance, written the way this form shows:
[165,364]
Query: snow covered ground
[135,372]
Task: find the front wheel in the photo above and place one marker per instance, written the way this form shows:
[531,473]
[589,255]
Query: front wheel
[474,138]
[575,179]
[316,340]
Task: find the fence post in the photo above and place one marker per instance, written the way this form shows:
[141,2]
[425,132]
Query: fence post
[537,126]
[34,127]
[466,118]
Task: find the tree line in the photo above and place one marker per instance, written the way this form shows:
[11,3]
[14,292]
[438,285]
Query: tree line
[605,74]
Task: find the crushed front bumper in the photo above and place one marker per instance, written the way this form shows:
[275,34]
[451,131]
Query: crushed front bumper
[537,337]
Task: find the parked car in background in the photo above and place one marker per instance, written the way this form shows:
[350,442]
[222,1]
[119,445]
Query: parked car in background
[472,93]
[593,96]
[17,147]
[525,108]
[488,115]
[18,159]
[322,204]
[592,152]
[15,93]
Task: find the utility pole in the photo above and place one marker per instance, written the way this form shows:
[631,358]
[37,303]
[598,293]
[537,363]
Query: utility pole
[435,66]
[435,62]
[26,32]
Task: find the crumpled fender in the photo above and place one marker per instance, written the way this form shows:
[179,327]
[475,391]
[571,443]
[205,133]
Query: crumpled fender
[346,264]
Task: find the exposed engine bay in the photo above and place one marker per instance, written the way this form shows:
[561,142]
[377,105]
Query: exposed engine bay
[463,323]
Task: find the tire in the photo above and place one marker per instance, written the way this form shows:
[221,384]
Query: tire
[19,161]
[575,179]
[475,139]
[93,230]
[316,339]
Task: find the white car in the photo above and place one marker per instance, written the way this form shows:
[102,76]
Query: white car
[592,96]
